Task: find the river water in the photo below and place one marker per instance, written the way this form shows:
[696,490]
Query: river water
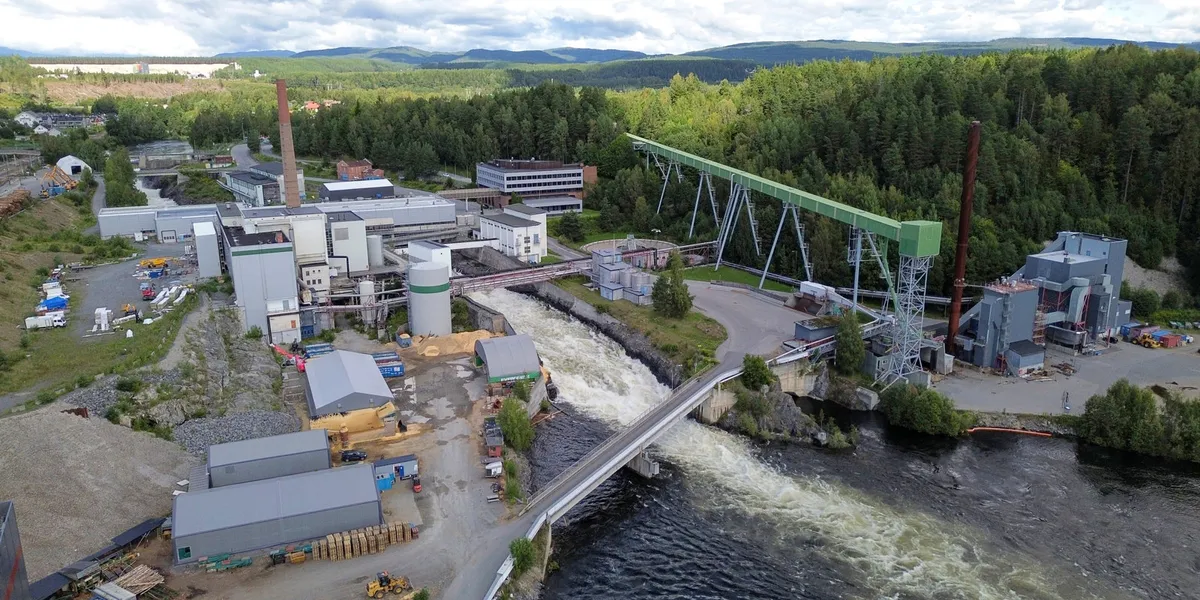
[902,517]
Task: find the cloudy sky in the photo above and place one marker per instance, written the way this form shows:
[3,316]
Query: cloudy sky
[203,27]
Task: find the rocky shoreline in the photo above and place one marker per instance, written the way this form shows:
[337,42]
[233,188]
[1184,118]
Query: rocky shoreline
[1056,426]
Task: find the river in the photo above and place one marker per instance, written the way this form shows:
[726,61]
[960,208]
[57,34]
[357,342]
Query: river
[902,517]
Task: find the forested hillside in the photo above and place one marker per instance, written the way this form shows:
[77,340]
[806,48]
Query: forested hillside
[1102,141]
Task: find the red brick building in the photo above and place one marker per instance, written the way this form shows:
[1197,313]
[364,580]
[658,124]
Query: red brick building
[357,170]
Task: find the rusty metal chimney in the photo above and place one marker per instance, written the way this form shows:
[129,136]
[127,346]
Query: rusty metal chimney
[291,186]
[964,234]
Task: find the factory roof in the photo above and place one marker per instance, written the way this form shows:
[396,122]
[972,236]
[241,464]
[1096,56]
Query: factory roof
[278,211]
[237,236]
[525,209]
[229,209]
[274,168]
[508,356]
[550,201]
[364,184]
[427,244]
[203,228]
[362,162]
[512,166]
[1061,256]
[252,178]
[343,381]
[611,286]
[342,216]
[1026,348]
[272,499]
[511,220]
[233,453]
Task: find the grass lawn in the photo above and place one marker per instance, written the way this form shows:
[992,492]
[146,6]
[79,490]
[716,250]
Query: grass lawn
[551,258]
[691,341]
[706,273]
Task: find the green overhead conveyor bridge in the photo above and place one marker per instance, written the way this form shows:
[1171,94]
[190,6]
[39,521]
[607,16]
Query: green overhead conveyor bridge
[918,241]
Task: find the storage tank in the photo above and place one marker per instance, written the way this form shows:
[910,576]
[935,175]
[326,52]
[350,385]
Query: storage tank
[429,299]
[374,251]
[626,278]
[366,297]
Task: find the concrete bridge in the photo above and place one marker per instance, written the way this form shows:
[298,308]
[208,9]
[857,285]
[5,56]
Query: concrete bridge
[175,171]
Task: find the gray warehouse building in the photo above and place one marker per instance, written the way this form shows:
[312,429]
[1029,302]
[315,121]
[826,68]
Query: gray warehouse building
[274,512]
[263,266]
[344,381]
[338,191]
[264,458]
[14,581]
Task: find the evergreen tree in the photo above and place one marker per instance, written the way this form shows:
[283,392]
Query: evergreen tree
[850,349]
[571,227]
[670,293]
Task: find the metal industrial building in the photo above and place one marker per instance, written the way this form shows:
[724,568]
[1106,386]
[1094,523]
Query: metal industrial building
[208,250]
[339,191]
[252,188]
[263,267]
[508,358]
[274,170]
[555,205]
[268,457]
[168,224]
[1067,294]
[274,512]
[14,581]
[343,381]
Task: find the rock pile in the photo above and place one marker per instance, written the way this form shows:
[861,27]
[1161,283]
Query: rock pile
[196,435]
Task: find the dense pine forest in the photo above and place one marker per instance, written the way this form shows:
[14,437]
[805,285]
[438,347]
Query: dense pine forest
[1104,141]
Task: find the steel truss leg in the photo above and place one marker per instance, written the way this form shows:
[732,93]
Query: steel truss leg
[771,255]
[783,217]
[704,180]
[730,221]
[905,356]
[803,245]
[666,180]
[854,257]
[753,222]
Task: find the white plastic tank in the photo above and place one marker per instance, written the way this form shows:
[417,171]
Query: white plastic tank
[366,297]
[374,251]
[626,278]
[429,299]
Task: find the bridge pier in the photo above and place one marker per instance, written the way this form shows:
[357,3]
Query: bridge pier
[643,465]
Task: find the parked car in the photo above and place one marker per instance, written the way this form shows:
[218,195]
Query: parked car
[353,455]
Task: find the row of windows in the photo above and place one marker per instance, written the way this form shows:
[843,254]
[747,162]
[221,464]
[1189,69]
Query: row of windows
[557,184]
[577,175]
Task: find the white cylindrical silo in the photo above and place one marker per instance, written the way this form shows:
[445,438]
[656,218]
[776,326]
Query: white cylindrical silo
[429,299]
[374,251]
[366,298]
[626,278]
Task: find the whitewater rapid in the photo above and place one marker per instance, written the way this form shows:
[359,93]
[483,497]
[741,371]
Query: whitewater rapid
[893,553]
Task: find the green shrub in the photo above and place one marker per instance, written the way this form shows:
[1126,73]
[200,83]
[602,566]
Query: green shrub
[512,490]
[522,553]
[129,385]
[113,415]
[850,348]
[755,372]
[747,425]
[83,381]
[521,389]
[422,594]
[254,333]
[510,468]
[1127,417]
[46,397]
[751,403]
[926,411]
[26,341]
[514,423]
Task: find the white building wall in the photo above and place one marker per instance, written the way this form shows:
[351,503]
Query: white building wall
[307,233]
[208,257]
[350,240]
[430,254]
[525,243]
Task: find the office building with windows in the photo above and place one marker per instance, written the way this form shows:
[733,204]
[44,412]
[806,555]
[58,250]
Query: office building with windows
[534,178]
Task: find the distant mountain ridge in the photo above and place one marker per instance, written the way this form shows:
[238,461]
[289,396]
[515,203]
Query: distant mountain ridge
[764,53]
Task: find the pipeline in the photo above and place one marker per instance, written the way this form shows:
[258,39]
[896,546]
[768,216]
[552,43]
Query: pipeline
[1010,430]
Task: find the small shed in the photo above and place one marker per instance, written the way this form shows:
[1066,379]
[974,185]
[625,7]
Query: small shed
[816,329]
[388,470]
[267,457]
[1024,356]
[342,381]
[274,512]
[509,358]
[612,291]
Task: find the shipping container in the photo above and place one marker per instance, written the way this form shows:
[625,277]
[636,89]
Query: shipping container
[385,357]
[1128,327]
[317,349]
[1171,340]
[403,340]
[393,369]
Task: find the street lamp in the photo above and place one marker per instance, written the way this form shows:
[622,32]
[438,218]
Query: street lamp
[656,232]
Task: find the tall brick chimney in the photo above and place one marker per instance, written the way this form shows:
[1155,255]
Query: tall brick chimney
[291,186]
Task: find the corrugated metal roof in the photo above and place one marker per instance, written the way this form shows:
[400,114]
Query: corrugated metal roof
[511,220]
[203,228]
[335,376]
[137,532]
[273,499]
[1026,348]
[508,356]
[525,209]
[47,586]
[267,447]
[407,458]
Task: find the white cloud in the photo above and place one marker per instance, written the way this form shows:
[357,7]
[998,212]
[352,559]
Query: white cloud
[202,27]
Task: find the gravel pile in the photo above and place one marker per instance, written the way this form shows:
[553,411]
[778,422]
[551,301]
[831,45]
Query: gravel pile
[102,394]
[78,482]
[197,435]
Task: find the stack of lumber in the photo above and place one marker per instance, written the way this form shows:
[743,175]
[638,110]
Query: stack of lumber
[139,580]
[350,544]
[13,201]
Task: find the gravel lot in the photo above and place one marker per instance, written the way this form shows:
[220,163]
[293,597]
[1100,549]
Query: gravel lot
[78,482]
[114,285]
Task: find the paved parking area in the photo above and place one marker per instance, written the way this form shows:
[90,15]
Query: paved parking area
[1176,369]
[114,285]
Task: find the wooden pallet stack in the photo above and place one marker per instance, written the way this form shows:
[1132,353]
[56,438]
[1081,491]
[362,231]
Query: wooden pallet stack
[370,540]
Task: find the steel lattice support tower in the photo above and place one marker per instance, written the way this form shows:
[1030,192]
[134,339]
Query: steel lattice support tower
[904,357]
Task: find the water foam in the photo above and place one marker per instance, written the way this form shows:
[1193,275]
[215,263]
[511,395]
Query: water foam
[898,555]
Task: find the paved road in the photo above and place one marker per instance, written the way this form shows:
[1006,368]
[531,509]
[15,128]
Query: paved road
[564,251]
[242,156]
[455,177]
[755,324]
